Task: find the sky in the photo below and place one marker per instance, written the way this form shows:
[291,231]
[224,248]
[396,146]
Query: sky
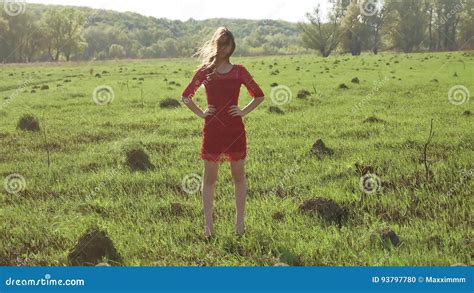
[293,11]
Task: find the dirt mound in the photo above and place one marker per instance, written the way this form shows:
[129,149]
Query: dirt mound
[176,209]
[278,216]
[328,209]
[28,122]
[275,109]
[92,247]
[320,149]
[355,80]
[343,86]
[373,119]
[389,235]
[138,160]
[467,113]
[170,103]
[302,94]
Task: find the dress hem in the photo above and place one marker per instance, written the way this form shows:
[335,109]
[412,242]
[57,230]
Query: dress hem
[224,157]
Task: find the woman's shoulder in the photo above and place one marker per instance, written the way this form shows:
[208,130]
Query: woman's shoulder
[202,68]
[241,67]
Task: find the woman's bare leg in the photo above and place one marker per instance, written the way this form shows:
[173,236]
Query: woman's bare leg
[211,170]
[240,183]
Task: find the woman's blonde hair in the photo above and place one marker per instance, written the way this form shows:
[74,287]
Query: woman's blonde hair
[207,53]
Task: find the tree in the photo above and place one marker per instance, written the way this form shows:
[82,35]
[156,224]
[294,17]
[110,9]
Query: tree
[116,51]
[430,10]
[4,28]
[448,14]
[170,47]
[146,37]
[256,38]
[324,37]
[97,39]
[466,27]
[20,37]
[52,26]
[356,31]
[269,49]
[377,22]
[146,52]
[73,31]
[63,29]
[408,29]
[34,43]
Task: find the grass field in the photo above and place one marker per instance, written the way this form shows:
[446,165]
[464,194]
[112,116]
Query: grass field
[72,174]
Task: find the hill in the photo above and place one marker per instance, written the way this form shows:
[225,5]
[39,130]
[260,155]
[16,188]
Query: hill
[106,34]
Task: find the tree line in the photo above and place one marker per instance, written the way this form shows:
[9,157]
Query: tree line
[54,33]
[354,26]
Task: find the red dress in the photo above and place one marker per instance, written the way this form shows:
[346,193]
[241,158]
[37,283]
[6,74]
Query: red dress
[224,136]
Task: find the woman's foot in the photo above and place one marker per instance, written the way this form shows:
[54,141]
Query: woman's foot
[208,232]
[208,238]
[240,229]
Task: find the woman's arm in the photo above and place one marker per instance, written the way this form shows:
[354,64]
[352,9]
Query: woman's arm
[255,92]
[187,96]
[235,111]
[196,110]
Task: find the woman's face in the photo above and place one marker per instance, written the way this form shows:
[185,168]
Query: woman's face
[224,47]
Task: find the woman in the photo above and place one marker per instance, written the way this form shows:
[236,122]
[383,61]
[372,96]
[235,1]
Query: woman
[224,136]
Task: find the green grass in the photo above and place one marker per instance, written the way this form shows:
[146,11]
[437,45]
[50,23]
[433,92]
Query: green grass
[88,184]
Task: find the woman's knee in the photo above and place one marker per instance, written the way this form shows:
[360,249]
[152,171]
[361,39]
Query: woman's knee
[211,171]
[209,180]
[239,177]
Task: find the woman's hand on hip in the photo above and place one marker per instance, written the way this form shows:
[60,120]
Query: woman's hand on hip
[208,112]
[235,111]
